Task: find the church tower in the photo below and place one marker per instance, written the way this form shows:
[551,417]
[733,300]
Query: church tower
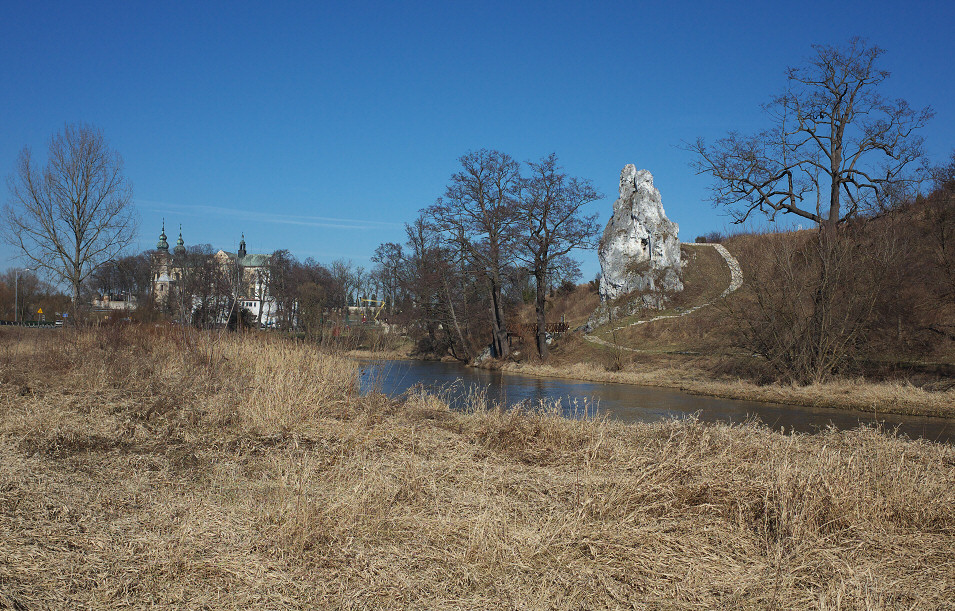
[180,248]
[163,245]
[160,268]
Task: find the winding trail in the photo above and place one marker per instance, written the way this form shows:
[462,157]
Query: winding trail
[736,281]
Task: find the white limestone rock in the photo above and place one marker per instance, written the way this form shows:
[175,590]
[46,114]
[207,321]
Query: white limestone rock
[640,247]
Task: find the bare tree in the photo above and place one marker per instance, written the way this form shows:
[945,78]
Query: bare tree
[204,289]
[939,235]
[23,290]
[281,272]
[389,260]
[836,148]
[347,278]
[941,216]
[478,215]
[76,212]
[550,207]
[441,296]
[130,276]
[313,285]
[811,301]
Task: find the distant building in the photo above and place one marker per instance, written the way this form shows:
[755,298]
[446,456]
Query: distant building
[111,302]
[248,275]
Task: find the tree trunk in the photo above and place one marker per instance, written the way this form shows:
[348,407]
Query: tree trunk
[454,319]
[75,282]
[498,329]
[541,318]
[260,295]
[835,203]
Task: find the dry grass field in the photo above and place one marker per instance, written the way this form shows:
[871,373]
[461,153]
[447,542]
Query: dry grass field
[168,469]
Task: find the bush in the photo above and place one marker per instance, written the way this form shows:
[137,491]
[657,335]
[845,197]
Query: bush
[811,300]
[713,237]
[566,288]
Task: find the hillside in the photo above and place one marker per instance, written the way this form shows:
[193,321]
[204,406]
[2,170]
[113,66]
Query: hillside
[700,341]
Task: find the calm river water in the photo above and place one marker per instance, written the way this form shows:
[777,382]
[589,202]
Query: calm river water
[626,402]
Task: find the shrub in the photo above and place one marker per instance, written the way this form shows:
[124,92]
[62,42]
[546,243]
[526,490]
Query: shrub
[811,299]
[713,237]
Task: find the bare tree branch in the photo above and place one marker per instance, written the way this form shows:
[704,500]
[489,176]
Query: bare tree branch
[477,214]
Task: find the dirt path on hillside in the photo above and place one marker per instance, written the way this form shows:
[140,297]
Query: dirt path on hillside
[736,281]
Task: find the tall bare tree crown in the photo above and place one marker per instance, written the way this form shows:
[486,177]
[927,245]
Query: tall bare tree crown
[73,214]
[837,148]
[477,215]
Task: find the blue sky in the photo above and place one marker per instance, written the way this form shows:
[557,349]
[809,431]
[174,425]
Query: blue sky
[322,127]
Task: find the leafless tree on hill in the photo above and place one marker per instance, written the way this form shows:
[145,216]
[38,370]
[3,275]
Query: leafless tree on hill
[810,304]
[940,235]
[837,147]
[837,151]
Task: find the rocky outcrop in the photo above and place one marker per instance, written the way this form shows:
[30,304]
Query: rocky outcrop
[640,247]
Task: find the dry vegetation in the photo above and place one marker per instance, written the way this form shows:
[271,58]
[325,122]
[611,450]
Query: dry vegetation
[705,276]
[181,470]
[572,305]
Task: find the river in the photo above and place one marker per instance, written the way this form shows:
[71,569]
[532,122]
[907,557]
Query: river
[627,402]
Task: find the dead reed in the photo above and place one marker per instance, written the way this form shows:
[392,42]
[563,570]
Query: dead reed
[167,469]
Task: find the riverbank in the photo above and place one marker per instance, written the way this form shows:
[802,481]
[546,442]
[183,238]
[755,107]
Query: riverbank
[857,394]
[371,355]
[172,469]
[852,394]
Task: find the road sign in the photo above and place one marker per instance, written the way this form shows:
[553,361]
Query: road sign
[39,311]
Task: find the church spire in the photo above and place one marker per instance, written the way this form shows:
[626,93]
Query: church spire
[163,244]
[241,252]
[180,248]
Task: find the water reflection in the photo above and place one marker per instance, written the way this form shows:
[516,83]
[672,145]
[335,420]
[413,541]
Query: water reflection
[626,402]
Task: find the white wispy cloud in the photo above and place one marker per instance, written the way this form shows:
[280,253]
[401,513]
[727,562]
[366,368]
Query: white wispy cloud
[266,217]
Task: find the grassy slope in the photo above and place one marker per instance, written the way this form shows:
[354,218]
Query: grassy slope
[705,277]
[178,472]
